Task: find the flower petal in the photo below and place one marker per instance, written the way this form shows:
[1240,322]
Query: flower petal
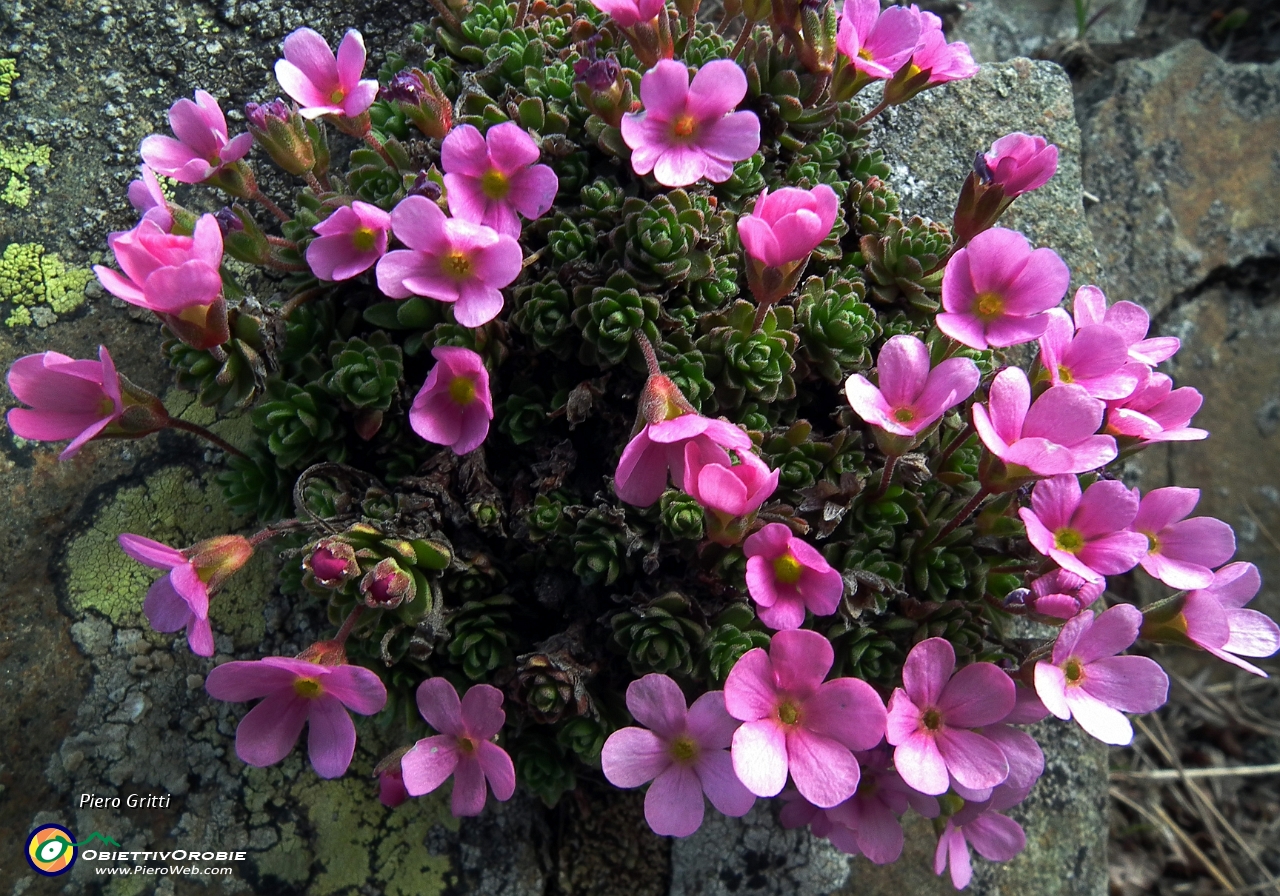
[269,730]
[721,785]
[673,806]
[826,772]
[760,757]
[632,756]
[439,704]
[331,740]
[429,763]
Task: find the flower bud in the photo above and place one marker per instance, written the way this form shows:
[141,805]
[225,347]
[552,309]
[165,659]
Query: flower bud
[282,132]
[391,789]
[387,586]
[332,563]
[216,559]
[423,185]
[420,98]
[228,221]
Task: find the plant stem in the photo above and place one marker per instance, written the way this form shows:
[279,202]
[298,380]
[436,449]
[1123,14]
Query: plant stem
[261,198]
[450,20]
[742,39]
[886,478]
[884,104]
[280,241]
[650,356]
[275,529]
[522,12]
[348,624]
[376,145]
[197,429]
[960,438]
[314,183]
[964,514]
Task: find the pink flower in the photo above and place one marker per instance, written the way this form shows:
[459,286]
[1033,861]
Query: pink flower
[785,576]
[450,260]
[785,226]
[730,493]
[1157,412]
[202,148]
[1085,678]
[685,754]
[295,692]
[464,747]
[794,722]
[391,789]
[1063,594]
[181,599]
[628,13]
[911,396]
[943,61]
[1129,320]
[69,399]
[321,83]
[996,289]
[454,406]
[146,196]
[1182,552]
[658,449]
[1020,163]
[798,812]
[351,240]
[931,714]
[689,131]
[877,43]
[492,178]
[1214,619]
[176,277]
[1085,534]
[1054,435]
[1095,358]
[996,837]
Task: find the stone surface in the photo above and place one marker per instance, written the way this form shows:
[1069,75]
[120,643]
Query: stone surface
[1181,152]
[996,30]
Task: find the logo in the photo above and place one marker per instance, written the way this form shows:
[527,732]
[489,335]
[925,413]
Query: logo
[51,850]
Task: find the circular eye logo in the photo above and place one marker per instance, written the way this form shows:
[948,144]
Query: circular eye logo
[51,849]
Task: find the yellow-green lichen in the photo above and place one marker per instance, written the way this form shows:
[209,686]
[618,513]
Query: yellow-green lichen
[16,161]
[8,74]
[39,285]
[177,507]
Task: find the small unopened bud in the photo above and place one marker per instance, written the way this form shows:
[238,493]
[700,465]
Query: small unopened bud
[391,789]
[419,97]
[423,185]
[228,221]
[662,400]
[216,559]
[332,563]
[404,87]
[387,586]
[283,134]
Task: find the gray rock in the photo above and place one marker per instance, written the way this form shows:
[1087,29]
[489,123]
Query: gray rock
[996,30]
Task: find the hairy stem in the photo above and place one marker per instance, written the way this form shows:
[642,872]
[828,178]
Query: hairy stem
[197,429]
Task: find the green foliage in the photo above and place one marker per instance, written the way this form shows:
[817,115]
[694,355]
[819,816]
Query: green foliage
[659,636]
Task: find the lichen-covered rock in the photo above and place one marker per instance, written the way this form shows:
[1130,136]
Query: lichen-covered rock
[996,30]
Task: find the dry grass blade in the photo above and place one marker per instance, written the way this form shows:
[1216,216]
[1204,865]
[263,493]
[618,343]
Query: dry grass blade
[1173,774]
[1158,817]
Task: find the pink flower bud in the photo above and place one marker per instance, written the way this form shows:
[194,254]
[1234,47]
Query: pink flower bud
[332,563]
[387,586]
[730,493]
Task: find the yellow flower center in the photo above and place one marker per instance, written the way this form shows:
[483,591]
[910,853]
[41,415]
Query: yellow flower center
[457,265]
[106,407]
[337,96]
[988,306]
[788,714]
[1064,374]
[684,749]
[1153,543]
[786,569]
[198,315]
[1074,671]
[684,126]
[1068,540]
[904,415]
[466,746]
[864,53]
[462,390]
[494,184]
[363,238]
[932,719]
[307,687]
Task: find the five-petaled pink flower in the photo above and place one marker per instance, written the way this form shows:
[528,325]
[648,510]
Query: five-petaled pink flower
[628,13]
[943,61]
[174,276]
[996,837]
[1095,358]
[146,196]
[931,715]
[464,747]
[689,131]
[322,83]
[1084,678]
[450,260]
[1020,163]
[996,290]
[1157,412]
[201,149]
[69,399]
[877,43]
[351,241]
[658,450]
[1131,321]
[783,227]
[454,406]
[786,576]
[492,178]
[1181,552]
[683,751]
[794,722]
[1056,434]
[181,599]
[297,692]
[729,492]
[1087,532]
[911,396]
[1062,594]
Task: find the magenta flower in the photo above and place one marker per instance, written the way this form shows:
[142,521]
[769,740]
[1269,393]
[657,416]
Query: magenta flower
[1062,594]
[69,399]
[1054,435]
[324,84]
[996,837]
[201,149]
[1181,552]
[1095,358]
[798,812]
[391,789]
[997,289]
[492,178]
[1020,163]
[351,241]
[877,43]
[628,13]
[683,751]
[449,260]
[181,599]
[146,196]
[730,493]
[1084,678]
[689,131]
[911,396]
[785,576]
[296,692]
[943,61]
[1157,412]
[1248,632]
[176,277]
[794,722]
[1085,534]
[464,747]
[658,450]
[1129,320]
[931,715]
[454,406]
[785,226]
